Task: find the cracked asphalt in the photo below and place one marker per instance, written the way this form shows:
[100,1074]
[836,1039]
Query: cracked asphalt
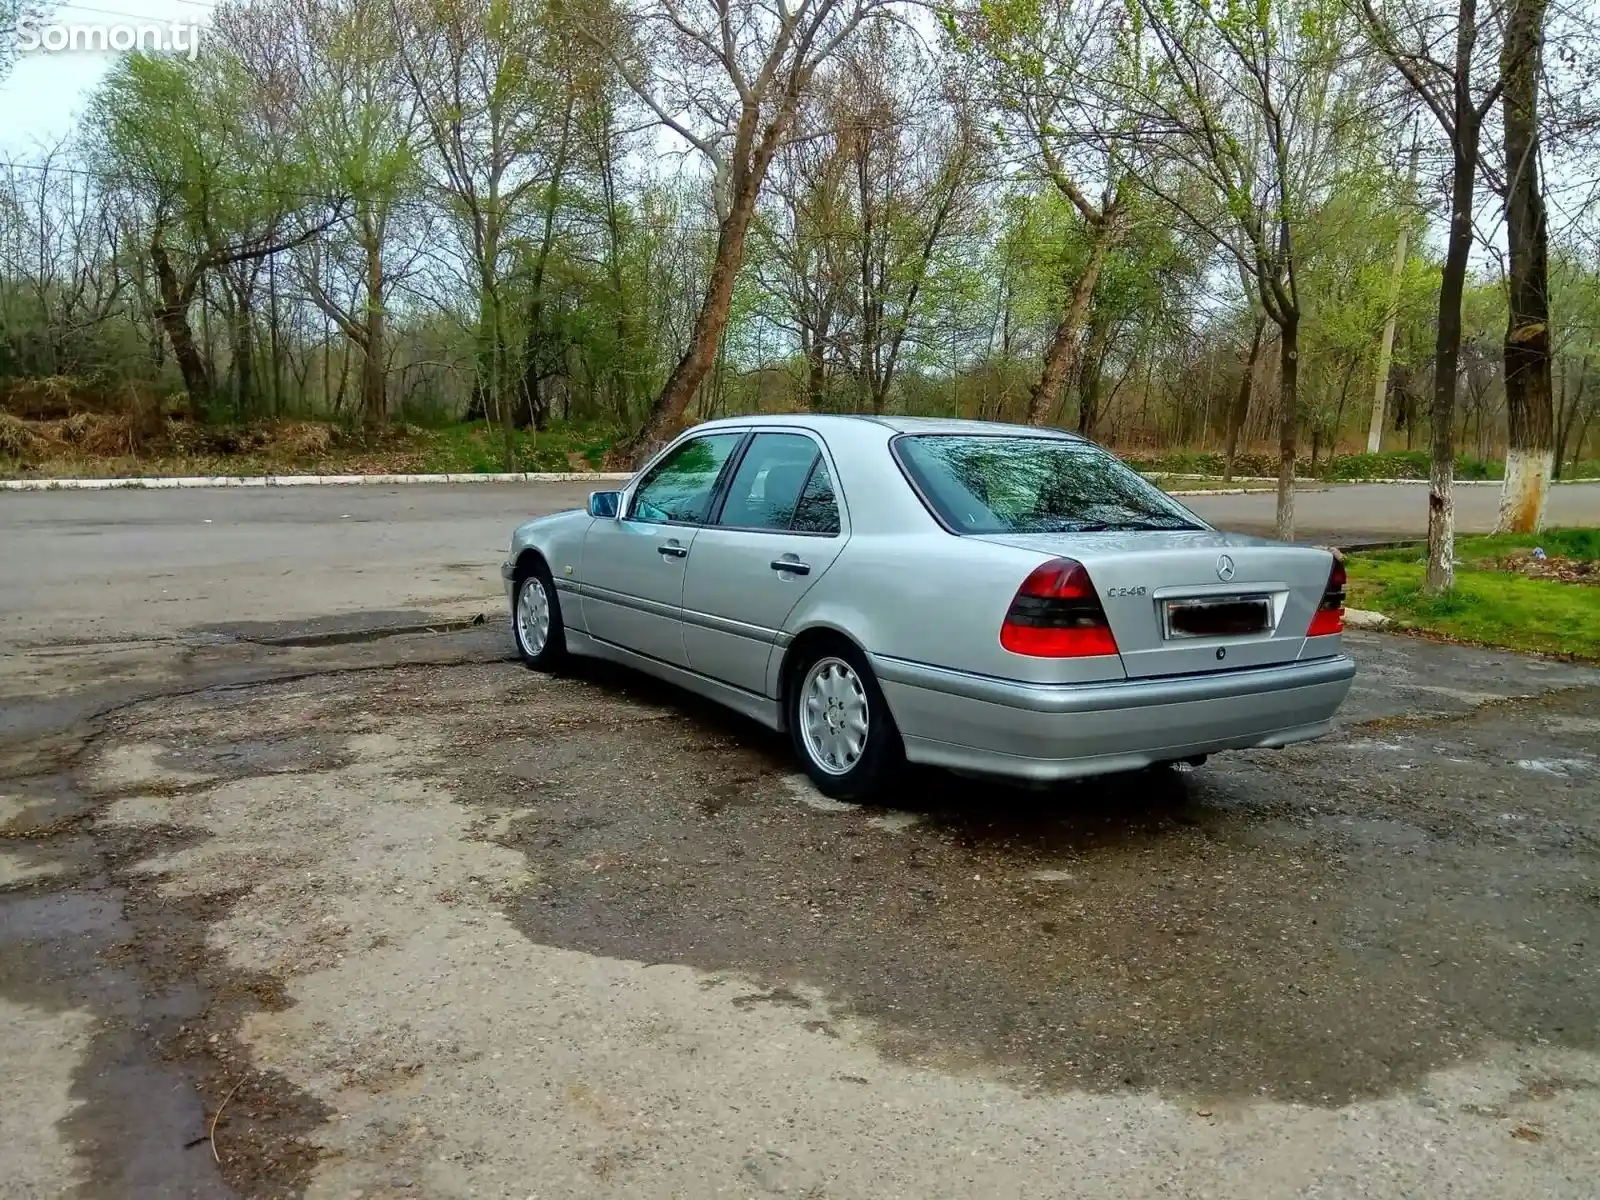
[300,903]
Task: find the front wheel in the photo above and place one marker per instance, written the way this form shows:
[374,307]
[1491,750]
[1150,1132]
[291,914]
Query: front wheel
[536,621]
[841,726]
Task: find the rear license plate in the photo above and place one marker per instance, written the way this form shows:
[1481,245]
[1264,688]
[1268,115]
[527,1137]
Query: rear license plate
[1232,616]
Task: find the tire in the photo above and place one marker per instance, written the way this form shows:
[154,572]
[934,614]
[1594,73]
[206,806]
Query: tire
[836,674]
[541,643]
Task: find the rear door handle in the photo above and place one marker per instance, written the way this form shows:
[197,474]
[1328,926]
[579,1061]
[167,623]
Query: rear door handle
[673,550]
[793,565]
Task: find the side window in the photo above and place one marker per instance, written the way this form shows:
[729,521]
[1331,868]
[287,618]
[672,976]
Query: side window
[818,510]
[679,488]
[766,488]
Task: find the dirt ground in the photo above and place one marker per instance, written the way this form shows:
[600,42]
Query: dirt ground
[328,914]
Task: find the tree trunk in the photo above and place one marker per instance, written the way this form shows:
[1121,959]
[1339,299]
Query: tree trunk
[1530,417]
[173,314]
[242,341]
[816,370]
[1241,401]
[666,414]
[621,391]
[1060,356]
[374,401]
[536,350]
[1094,357]
[274,340]
[1446,358]
[1288,419]
[1380,385]
[1338,412]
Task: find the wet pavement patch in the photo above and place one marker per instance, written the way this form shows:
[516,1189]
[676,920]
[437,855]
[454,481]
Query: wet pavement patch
[164,1010]
[338,630]
[1310,925]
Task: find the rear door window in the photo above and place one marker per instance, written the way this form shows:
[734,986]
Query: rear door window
[818,510]
[770,482]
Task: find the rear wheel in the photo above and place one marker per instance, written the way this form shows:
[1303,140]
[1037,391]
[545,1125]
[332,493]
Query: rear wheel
[840,723]
[536,620]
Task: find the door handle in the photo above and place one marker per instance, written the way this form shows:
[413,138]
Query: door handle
[673,550]
[793,565]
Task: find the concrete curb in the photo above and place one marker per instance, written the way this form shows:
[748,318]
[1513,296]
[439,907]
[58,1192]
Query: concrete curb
[217,481]
[1360,618]
[1228,491]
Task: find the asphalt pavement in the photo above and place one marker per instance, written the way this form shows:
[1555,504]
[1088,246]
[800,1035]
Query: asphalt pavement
[292,904]
[104,566]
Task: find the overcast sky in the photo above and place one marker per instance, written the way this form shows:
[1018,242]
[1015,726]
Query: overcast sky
[46,91]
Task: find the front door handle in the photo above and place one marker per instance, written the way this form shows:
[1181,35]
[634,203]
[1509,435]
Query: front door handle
[673,550]
[793,565]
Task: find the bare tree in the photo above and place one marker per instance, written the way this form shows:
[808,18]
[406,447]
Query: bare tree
[1415,37]
[804,260]
[913,156]
[486,79]
[63,254]
[1252,103]
[727,77]
[1052,70]
[358,124]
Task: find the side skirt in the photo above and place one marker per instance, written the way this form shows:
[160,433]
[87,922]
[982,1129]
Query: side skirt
[760,709]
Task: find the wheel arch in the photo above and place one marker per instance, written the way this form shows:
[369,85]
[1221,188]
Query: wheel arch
[804,644]
[529,560]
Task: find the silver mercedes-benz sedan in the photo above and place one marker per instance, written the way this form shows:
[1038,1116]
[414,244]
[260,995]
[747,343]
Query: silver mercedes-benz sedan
[993,599]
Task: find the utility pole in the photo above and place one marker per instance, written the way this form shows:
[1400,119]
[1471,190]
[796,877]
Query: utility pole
[1380,387]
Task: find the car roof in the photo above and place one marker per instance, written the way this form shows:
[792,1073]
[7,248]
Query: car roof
[845,422]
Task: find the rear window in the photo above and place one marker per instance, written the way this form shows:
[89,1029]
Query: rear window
[999,484]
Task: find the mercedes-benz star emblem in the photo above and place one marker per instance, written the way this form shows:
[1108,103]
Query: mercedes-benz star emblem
[1224,568]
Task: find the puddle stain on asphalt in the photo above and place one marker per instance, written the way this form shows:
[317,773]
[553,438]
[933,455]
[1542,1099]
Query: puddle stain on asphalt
[1303,926]
[160,1010]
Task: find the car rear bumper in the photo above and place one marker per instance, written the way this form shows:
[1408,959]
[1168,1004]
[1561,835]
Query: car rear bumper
[1044,732]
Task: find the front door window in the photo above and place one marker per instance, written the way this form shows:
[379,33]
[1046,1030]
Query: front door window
[679,488]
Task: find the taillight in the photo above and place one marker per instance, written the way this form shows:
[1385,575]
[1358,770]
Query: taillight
[1329,617]
[1056,614]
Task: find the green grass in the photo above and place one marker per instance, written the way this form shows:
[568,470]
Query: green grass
[1472,548]
[1486,606]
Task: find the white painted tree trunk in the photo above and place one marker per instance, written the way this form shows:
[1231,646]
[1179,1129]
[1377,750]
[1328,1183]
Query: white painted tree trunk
[1525,489]
[1441,571]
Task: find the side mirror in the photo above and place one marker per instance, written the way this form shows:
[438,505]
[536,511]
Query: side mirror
[604,504]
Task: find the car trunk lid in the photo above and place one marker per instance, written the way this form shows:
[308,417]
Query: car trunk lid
[1188,602]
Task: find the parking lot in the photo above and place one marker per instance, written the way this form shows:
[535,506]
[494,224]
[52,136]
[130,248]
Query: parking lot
[421,923]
